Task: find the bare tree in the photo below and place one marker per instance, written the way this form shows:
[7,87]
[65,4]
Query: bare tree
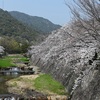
[86,15]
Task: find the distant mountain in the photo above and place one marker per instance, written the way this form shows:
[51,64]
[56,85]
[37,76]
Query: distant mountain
[9,26]
[38,23]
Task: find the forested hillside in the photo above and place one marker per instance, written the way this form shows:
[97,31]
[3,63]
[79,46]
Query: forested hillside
[9,26]
[15,37]
[38,23]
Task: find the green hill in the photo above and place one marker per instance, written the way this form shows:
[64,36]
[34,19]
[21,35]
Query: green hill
[11,27]
[38,23]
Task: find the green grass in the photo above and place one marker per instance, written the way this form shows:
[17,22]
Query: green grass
[24,59]
[19,58]
[9,61]
[5,62]
[46,82]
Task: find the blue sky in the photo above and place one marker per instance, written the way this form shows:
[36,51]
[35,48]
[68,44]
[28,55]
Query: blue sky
[54,10]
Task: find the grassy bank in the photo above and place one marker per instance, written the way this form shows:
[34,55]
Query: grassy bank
[10,61]
[5,62]
[43,83]
[46,82]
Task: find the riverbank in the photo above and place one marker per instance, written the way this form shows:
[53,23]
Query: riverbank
[36,85]
[25,86]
